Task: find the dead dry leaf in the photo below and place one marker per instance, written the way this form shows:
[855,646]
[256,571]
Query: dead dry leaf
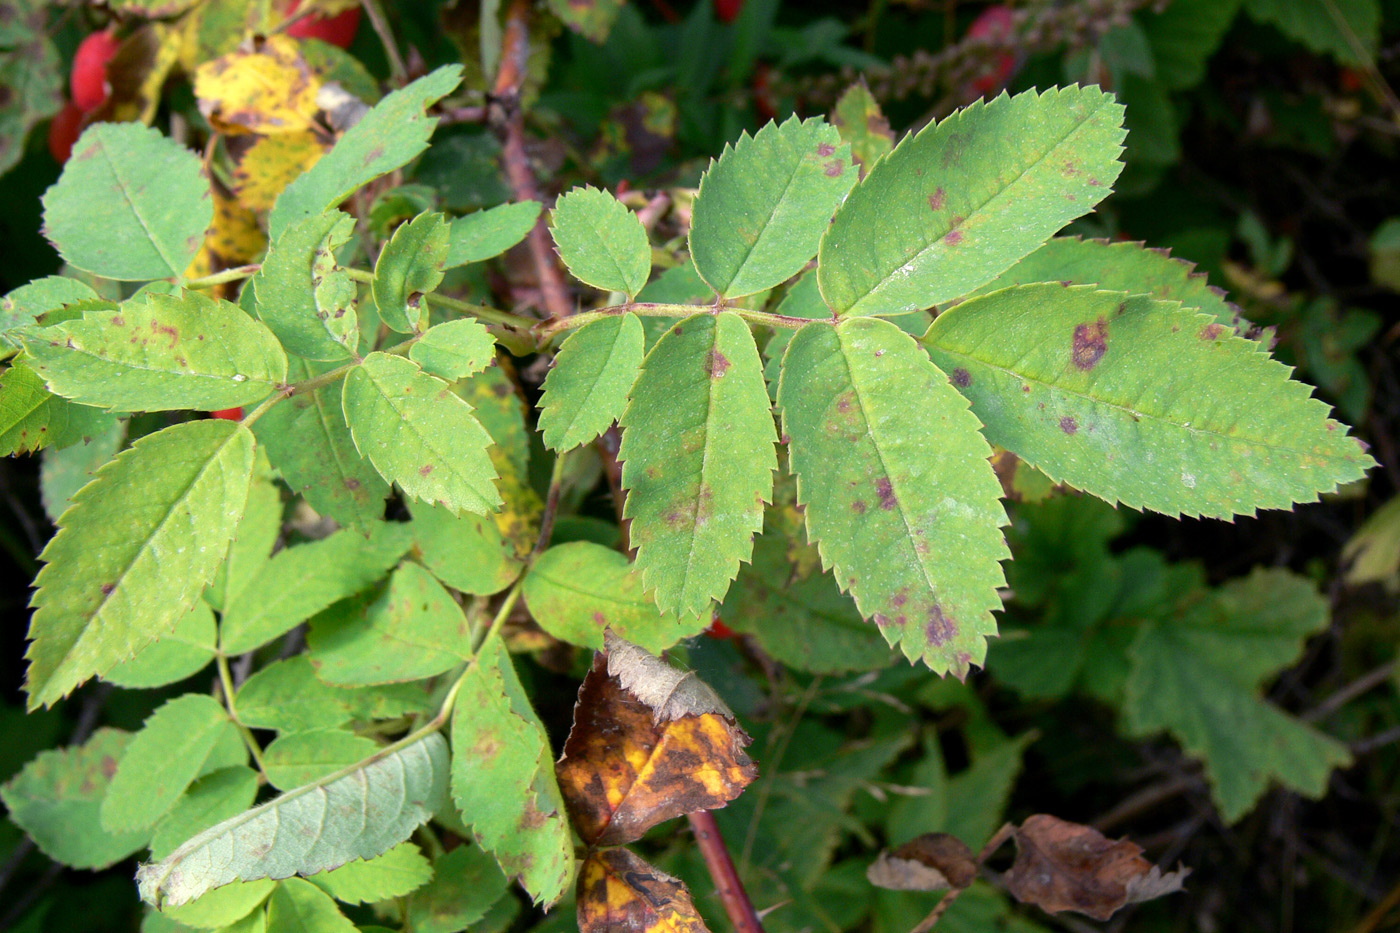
[620,893]
[671,693]
[1066,866]
[931,862]
[624,770]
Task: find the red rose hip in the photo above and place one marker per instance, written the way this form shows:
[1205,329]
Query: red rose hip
[89,76]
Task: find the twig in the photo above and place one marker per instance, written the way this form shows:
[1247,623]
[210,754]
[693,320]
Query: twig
[994,843]
[386,38]
[727,884]
[1145,799]
[1379,740]
[551,506]
[510,127]
[1350,692]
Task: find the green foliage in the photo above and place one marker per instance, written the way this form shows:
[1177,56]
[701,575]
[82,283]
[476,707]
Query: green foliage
[134,551]
[488,233]
[26,304]
[1141,402]
[466,882]
[765,203]
[157,353]
[601,241]
[410,266]
[587,388]
[695,494]
[454,350]
[358,812]
[130,205]
[1348,30]
[32,418]
[396,873]
[301,297]
[963,199]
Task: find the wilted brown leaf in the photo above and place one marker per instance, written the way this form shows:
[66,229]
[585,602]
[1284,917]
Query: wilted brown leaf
[620,893]
[266,87]
[931,862]
[630,763]
[1065,866]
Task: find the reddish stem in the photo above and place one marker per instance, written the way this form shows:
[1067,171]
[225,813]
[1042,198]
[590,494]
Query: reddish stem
[731,890]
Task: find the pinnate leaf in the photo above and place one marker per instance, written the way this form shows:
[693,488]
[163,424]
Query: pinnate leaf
[213,798]
[253,540]
[466,551]
[174,656]
[162,759]
[765,203]
[503,777]
[410,266]
[642,732]
[299,758]
[355,814]
[265,88]
[56,798]
[1141,402]
[698,460]
[414,629]
[900,498]
[577,591]
[601,241]
[67,469]
[33,418]
[130,204]
[419,434]
[298,906]
[301,580]
[307,439]
[393,132]
[25,304]
[488,233]
[586,389]
[135,550]
[857,117]
[1349,30]
[302,297]
[466,882]
[160,352]
[963,199]
[396,873]
[454,350]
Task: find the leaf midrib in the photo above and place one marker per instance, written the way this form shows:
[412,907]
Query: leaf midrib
[140,219]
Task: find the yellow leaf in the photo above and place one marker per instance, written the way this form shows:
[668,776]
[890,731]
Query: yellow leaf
[214,28]
[267,89]
[620,893]
[271,164]
[233,239]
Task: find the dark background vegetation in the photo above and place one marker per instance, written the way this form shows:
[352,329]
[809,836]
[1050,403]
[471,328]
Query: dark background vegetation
[1274,172]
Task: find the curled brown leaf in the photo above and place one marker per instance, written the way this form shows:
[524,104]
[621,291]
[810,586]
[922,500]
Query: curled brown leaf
[931,862]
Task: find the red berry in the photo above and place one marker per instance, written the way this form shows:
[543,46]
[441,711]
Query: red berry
[993,22]
[64,131]
[718,629]
[337,30]
[996,24]
[228,414]
[89,77]
[727,11]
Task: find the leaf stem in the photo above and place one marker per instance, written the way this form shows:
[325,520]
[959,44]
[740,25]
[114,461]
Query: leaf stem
[485,312]
[551,506]
[228,275]
[226,682]
[548,329]
[386,38]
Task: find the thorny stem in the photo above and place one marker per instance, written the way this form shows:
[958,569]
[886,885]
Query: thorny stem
[727,884]
[386,38]
[226,682]
[548,329]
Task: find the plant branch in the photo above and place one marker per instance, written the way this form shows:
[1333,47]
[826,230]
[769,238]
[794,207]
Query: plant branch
[717,859]
[226,682]
[227,275]
[548,329]
[510,127]
[551,506]
[484,312]
[386,38]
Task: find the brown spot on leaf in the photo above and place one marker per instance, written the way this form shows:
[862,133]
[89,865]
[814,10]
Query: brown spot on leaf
[717,364]
[425,469]
[962,378]
[107,588]
[1069,425]
[1212,331]
[858,506]
[834,168]
[936,199]
[886,492]
[940,629]
[953,238]
[1090,344]
[825,149]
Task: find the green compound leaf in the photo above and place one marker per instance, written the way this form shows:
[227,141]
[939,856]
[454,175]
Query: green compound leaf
[135,550]
[302,297]
[163,759]
[215,797]
[804,622]
[286,696]
[503,778]
[577,590]
[1141,402]
[253,540]
[414,629]
[397,873]
[466,551]
[489,233]
[1121,267]
[858,119]
[56,798]
[765,203]
[394,132]
[962,200]
[466,883]
[1198,676]
[180,654]
[419,434]
[698,460]
[25,304]
[355,814]
[900,498]
[454,350]
[301,580]
[235,908]
[601,241]
[307,439]
[304,757]
[298,906]
[33,418]
[64,471]
[410,266]
[130,205]
[158,353]
[586,389]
